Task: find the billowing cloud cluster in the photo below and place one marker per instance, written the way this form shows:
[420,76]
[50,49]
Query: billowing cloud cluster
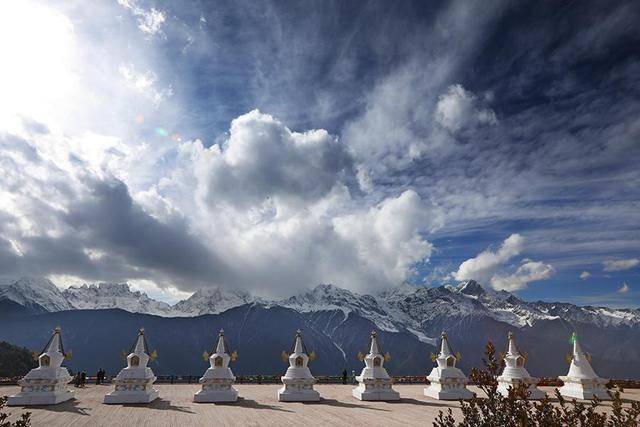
[266,209]
[487,267]
[528,271]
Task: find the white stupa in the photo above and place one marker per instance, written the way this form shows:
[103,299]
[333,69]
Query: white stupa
[134,384]
[582,382]
[447,381]
[374,381]
[298,381]
[46,384]
[515,373]
[217,381]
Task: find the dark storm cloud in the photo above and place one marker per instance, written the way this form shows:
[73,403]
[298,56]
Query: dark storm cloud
[109,220]
[129,243]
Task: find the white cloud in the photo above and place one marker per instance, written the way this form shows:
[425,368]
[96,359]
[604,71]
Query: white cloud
[459,108]
[387,237]
[528,271]
[262,159]
[145,83]
[149,20]
[584,275]
[621,264]
[485,264]
[268,210]
[625,288]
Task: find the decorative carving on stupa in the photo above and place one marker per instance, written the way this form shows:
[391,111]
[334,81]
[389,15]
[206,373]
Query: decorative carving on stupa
[514,373]
[374,383]
[447,381]
[217,381]
[298,381]
[581,382]
[46,384]
[134,383]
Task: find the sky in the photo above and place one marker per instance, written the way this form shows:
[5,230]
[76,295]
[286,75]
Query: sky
[274,146]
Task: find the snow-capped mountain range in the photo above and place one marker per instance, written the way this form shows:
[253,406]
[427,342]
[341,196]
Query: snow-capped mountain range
[336,323]
[42,295]
[418,310]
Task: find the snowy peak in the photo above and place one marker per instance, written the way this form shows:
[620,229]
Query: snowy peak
[470,287]
[329,297]
[38,294]
[114,295]
[212,300]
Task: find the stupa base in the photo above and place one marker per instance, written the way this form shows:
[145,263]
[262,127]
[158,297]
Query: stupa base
[285,395]
[211,396]
[375,393]
[444,393]
[118,397]
[34,399]
[584,389]
[534,392]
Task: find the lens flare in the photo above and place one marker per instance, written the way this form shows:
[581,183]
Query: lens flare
[162,132]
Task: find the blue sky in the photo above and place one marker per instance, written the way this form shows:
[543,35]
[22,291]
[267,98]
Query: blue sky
[277,145]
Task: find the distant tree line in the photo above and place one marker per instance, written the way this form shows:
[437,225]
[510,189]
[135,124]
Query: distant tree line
[15,361]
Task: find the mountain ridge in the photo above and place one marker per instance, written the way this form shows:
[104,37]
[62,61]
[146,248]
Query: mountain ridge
[408,318]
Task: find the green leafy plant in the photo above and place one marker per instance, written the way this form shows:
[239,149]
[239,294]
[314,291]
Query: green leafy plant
[24,421]
[516,410]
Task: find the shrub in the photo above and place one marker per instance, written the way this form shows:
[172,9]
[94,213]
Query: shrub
[24,421]
[516,410]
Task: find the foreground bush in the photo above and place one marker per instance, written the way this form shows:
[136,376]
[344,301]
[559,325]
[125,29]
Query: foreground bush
[517,411]
[24,421]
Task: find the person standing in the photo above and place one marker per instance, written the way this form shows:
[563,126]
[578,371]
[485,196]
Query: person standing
[83,379]
[344,377]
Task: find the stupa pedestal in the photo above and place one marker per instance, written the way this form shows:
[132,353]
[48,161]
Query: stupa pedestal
[134,384]
[515,373]
[374,383]
[298,381]
[217,381]
[447,381]
[46,384]
[582,382]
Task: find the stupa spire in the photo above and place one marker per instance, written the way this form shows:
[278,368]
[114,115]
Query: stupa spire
[374,343]
[577,350]
[140,346]
[221,348]
[298,348]
[55,343]
[513,349]
[445,347]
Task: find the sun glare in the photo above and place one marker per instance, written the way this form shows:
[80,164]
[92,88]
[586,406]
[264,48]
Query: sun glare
[37,49]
